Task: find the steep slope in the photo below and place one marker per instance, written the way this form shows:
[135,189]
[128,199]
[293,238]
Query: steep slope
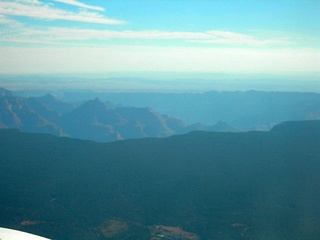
[5,93]
[175,124]
[254,185]
[16,113]
[91,121]
[94,121]
[55,104]
[142,122]
[41,109]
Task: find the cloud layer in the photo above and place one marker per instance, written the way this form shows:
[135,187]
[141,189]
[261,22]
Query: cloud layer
[37,10]
[62,36]
[50,45]
[79,4]
[59,35]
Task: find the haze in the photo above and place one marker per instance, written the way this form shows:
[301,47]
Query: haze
[234,37]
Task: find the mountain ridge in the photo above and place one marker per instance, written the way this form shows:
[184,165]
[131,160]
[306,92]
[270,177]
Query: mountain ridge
[250,185]
[92,119]
[244,110]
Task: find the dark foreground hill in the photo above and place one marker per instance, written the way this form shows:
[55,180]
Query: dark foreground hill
[254,185]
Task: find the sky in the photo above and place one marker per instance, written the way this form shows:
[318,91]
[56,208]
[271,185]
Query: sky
[212,36]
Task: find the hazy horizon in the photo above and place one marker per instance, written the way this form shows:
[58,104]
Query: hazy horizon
[233,37]
[160,82]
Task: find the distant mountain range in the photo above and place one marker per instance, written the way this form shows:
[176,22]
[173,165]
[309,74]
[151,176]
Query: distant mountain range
[92,120]
[250,110]
[118,116]
[201,185]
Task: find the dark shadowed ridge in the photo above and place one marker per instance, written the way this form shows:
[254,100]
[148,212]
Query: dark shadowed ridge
[253,185]
[296,126]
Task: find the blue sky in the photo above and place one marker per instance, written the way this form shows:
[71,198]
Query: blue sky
[235,36]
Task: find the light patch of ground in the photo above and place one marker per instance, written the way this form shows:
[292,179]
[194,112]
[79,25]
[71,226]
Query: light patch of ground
[29,223]
[160,232]
[237,225]
[244,228]
[112,227]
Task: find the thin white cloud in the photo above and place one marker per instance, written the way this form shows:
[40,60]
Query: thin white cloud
[29,1]
[35,9]
[232,38]
[9,24]
[67,36]
[60,35]
[4,20]
[79,4]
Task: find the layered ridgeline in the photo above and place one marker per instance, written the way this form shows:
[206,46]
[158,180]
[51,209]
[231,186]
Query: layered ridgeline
[91,120]
[202,185]
[248,110]
[116,116]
